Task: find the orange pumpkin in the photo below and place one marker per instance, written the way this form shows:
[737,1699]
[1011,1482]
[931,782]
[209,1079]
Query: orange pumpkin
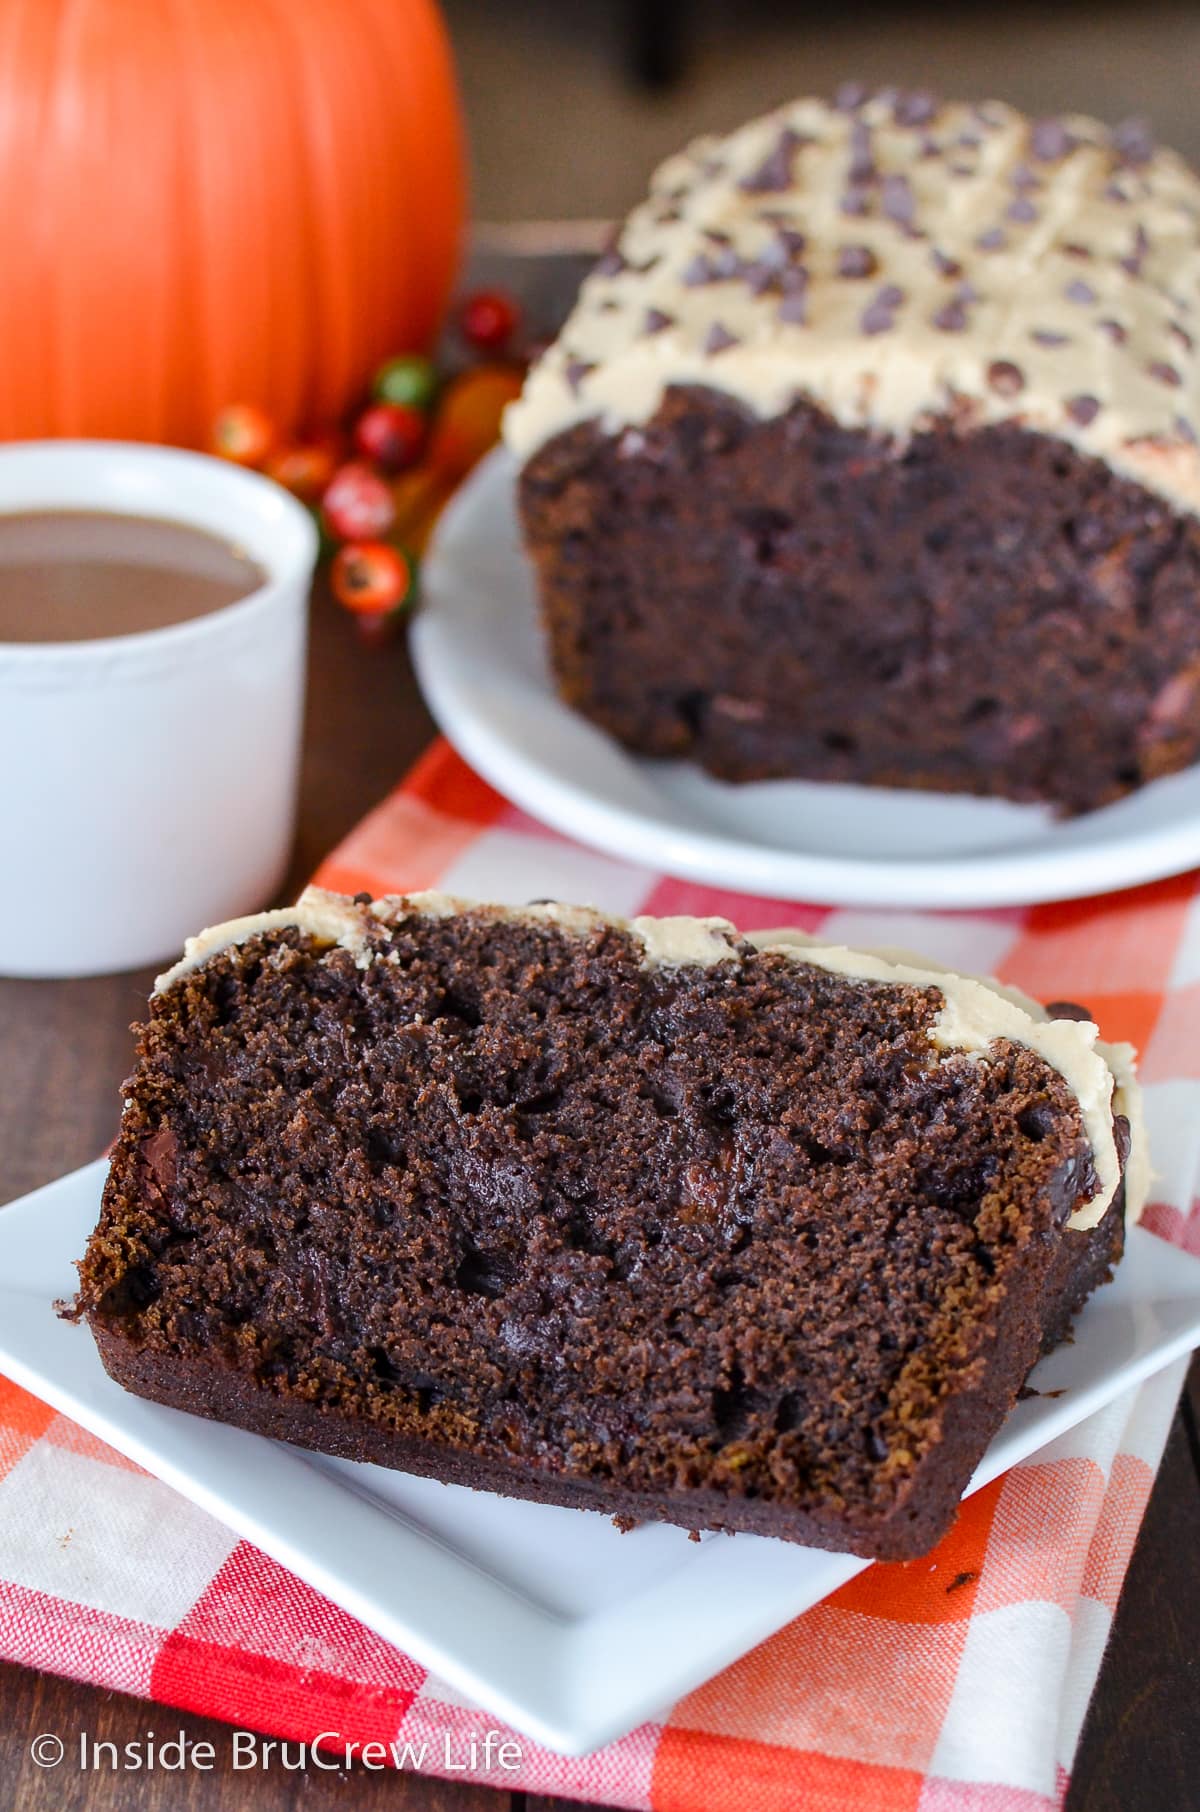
[218,200]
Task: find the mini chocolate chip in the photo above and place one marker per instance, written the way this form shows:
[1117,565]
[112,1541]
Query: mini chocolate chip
[1165,373]
[952,318]
[794,308]
[1049,140]
[855,200]
[762,275]
[575,371]
[1067,1009]
[1137,256]
[611,263]
[1185,431]
[1046,336]
[716,236]
[879,315]
[1133,142]
[1114,331]
[792,242]
[862,162]
[1182,335]
[719,339]
[856,261]
[655,321]
[897,199]
[774,174]
[725,264]
[1122,1138]
[1022,177]
[698,270]
[949,267]
[916,107]
[1114,192]
[992,240]
[1073,249]
[1022,209]
[1083,410]
[1005,378]
[851,96]
[1079,291]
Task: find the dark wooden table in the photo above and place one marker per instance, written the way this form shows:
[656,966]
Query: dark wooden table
[64,1049]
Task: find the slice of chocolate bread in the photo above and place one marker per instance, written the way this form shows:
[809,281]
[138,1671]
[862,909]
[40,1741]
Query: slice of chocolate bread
[648,1218]
[871,452]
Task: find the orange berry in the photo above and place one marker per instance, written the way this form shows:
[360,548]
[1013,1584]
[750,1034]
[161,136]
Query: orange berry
[467,423]
[370,578]
[243,433]
[304,469]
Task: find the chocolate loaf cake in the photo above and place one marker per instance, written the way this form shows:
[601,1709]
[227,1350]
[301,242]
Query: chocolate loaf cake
[869,453]
[648,1218]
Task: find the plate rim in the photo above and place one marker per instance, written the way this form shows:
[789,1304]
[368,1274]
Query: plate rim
[551,1699]
[1022,877]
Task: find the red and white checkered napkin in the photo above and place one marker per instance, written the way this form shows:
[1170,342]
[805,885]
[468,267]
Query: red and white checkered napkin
[956,1683]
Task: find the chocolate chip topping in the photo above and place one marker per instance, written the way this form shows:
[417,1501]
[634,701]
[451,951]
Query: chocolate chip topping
[952,318]
[1005,378]
[1047,336]
[1083,410]
[575,371]
[655,321]
[880,314]
[856,261]
[1021,209]
[851,96]
[1165,373]
[794,307]
[1113,330]
[992,240]
[774,174]
[914,107]
[719,339]
[897,199]
[1050,141]
[1079,291]
[1133,142]
[862,161]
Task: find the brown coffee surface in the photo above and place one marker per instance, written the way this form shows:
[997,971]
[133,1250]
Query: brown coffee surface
[79,575]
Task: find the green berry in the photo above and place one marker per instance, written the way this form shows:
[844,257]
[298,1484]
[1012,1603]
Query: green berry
[410,379]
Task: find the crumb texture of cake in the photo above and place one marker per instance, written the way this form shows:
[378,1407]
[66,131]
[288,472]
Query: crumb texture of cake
[869,453]
[661,1222]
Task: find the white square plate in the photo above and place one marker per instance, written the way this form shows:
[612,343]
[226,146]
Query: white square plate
[548,1618]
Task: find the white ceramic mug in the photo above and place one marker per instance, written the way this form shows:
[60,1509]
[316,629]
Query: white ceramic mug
[148,782]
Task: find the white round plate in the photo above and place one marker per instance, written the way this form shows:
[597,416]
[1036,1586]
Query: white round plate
[481,665]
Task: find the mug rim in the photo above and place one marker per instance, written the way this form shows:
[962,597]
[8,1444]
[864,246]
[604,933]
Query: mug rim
[290,533]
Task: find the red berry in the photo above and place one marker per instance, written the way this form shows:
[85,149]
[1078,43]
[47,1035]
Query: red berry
[391,434]
[357,505]
[244,434]
[304,470]
[488,320]
[370,578]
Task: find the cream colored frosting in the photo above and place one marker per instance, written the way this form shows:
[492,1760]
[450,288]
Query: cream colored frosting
[974,1013]
[1045,273]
